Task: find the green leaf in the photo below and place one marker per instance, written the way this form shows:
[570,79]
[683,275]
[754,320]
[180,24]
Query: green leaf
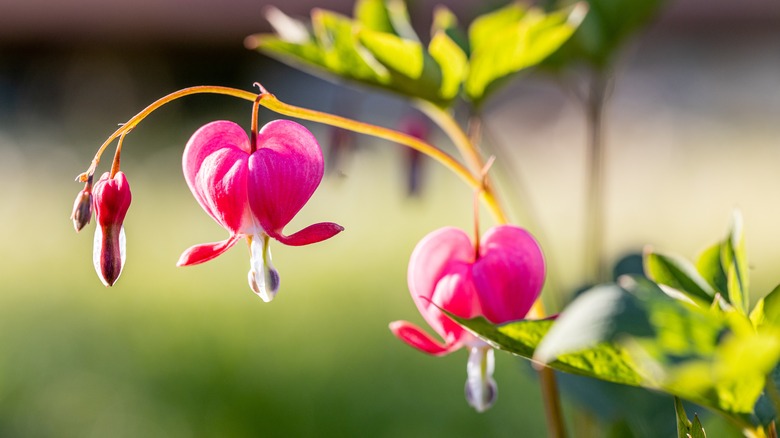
[679,274]
[336,37]
[445,21]
[399,16]
[734,259]
[373,15]
[709,357]
[406,57]
[485,27]
[711,268]
[604,361]
[604,31]
[767,309]
[510,40]
[379,48]
[452,61]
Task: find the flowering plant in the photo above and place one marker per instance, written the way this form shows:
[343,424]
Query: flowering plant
[685,329]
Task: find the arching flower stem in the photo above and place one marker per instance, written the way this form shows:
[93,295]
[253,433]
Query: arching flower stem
[270,101]
[442,118]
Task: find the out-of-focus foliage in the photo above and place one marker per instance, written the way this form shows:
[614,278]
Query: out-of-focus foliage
[606,28]
[685,427]
[379,47]
[680,334]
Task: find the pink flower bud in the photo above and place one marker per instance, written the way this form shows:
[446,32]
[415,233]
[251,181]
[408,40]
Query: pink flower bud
[111,200]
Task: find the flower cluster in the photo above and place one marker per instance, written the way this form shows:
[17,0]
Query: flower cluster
[254,185]
[251,187]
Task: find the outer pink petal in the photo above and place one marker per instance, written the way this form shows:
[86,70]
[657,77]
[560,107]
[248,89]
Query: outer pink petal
[283,173]
[215,168]
[439,274]
[414,336]
[311,234]
[509,274]
[206,251]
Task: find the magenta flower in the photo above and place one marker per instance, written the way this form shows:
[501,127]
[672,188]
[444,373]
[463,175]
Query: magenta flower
[254,190]
[111,200]
[499,279]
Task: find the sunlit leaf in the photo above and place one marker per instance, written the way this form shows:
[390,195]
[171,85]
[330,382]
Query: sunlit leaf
[399,16]
[336,37]
[677,273]
[767,309]
[512,39]
[734,259]
[373,15]
[483,29]
[711,268]
[607,362]
[378,48]
[445,21]
[636,335]
[452,61]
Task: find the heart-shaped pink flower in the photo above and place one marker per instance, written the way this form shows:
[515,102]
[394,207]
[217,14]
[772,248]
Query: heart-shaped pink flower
[254,191]
[500,280]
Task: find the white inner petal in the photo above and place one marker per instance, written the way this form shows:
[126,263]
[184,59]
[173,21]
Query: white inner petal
[481,389]
[97,245]
[263,278]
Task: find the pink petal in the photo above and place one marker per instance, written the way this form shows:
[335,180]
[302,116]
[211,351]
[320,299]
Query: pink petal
[311,234]
[509,274]
[283,173]
[206,251]
[215,168]
[439,274]
[414,336]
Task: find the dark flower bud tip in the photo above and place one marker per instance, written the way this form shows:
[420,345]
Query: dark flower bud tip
[82,209]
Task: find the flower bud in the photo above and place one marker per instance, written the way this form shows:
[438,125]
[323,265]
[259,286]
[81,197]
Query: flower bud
[111,200]
[82,208]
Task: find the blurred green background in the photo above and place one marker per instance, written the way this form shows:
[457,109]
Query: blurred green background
[691,131]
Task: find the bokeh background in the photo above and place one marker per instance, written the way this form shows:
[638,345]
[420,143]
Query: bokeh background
[692,132]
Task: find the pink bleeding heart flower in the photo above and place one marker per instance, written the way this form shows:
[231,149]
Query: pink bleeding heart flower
[111,196]
[500,279]
[254,190]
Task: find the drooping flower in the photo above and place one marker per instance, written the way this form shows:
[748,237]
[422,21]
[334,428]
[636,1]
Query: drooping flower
[499,279]
[111,196]
[254,190]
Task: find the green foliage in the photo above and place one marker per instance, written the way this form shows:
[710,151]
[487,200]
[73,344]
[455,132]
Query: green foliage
[667,336]
[720,272]
[512,39]
[686,428]
[679,274]
[604,31]
[379,47]
[607,361]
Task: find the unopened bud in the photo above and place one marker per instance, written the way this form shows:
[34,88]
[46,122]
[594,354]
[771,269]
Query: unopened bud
[112,199]
[82,209]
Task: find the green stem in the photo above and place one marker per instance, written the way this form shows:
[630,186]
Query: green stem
[270,101]
[467,148]
[556,426]
[596,269]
